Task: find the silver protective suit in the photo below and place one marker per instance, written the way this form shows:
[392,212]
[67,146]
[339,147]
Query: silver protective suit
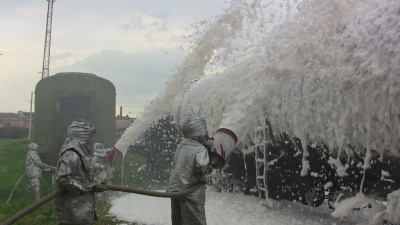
[190,165]
[102,169]
[33,169]
[74,173]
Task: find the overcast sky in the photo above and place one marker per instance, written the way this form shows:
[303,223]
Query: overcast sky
[135,44]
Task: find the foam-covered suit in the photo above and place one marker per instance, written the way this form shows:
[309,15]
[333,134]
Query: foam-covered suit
[73,175]
[33,169]
[190,165]
[102,169]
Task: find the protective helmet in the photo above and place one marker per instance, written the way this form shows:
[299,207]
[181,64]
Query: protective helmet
[81,129]
[195,127]
[33,146]
[99,149]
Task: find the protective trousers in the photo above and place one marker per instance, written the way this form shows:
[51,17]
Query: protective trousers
[34,186]
[187,213]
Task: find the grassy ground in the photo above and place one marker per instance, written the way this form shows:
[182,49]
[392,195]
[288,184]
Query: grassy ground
[12,163]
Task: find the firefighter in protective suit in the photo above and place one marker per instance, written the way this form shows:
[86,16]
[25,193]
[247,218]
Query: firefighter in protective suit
[33,169]
[102,169]
[190,165]
[74,175]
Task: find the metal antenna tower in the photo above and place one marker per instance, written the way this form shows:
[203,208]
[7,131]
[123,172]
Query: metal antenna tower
[47,40]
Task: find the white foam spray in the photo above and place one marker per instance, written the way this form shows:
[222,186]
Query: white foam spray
[322,71]
[325,71]
[193,68]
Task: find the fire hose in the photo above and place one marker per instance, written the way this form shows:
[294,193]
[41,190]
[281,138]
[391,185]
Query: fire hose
[56,193]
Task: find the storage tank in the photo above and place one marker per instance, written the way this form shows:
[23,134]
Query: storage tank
[64,97]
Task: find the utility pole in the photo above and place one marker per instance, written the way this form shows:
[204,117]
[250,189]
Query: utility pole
[47,40]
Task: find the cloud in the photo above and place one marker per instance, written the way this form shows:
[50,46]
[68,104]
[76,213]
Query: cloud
[63,55]
[146,23]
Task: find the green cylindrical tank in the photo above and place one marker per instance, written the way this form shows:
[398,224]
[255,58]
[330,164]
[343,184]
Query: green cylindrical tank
[64,97]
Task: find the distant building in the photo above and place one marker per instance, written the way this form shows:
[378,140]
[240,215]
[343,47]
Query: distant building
[20,119]
[10,123]
[15,125]
[121,123]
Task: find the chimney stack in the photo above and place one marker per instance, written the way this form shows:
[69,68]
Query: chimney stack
[120,111]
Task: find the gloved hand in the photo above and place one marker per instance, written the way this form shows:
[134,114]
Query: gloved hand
[202,172]
[52,168]
[209,169]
